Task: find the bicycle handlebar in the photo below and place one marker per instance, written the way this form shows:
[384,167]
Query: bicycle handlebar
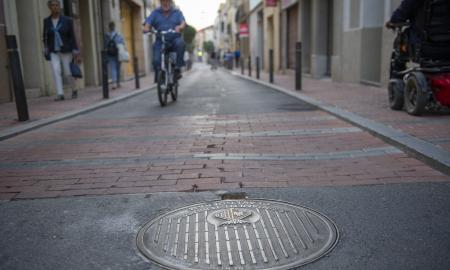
[398,25]
[162,33]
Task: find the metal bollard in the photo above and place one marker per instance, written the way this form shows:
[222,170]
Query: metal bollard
[105,74]
[298,66]
[242,66]
[118,75]
[136,73]
[249,66]
[16,73]
[271,65]
[257,67]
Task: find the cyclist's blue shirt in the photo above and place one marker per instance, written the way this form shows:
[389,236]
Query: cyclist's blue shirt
[160,22]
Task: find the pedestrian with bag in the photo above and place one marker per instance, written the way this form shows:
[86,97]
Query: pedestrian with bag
[115,49]
[61,48]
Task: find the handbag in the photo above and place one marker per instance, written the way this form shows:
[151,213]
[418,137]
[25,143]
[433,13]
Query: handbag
[75,70]
[124,56]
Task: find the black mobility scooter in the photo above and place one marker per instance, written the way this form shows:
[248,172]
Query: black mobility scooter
[420,71]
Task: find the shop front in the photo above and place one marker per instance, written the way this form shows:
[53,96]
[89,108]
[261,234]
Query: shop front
[290,31]
[130,16]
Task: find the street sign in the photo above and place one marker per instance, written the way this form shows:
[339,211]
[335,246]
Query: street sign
[243,30]
[271,3]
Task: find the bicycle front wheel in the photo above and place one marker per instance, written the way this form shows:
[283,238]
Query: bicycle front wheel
[174,92]
[162,88]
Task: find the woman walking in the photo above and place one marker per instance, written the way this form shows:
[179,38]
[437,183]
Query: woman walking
[113,40]
[60,47]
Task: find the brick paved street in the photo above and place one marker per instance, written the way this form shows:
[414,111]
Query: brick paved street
[83,187]
[371,102]
[239,173]
[45,107]
[223,133]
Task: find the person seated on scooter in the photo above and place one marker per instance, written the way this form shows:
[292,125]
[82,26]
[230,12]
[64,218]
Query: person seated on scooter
[164,18]
[412,11]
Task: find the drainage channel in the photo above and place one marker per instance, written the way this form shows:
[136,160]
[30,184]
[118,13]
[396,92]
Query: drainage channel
[238,234]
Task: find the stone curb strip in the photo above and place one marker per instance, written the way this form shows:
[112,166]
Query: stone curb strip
[431,152]
[12,132]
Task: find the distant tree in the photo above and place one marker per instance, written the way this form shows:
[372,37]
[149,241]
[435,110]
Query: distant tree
[189,35]
[208,46]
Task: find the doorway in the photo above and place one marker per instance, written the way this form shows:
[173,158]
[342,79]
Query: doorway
[292,35]
[126,14]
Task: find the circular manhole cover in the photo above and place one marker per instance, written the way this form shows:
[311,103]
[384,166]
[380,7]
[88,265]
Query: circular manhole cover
[237,234]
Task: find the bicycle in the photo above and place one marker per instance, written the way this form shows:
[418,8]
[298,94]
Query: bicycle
[166,79]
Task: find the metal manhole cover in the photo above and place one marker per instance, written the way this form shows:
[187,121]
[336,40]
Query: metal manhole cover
[237,234]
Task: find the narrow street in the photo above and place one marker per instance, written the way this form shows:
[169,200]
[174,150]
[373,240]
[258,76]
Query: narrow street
[80,189]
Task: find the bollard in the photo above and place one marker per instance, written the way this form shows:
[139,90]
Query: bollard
[16,73]
[118,75]
[271,65]
[136,73]
[105,74]
[257,67]
[298,66]
[249,66]
[242,66]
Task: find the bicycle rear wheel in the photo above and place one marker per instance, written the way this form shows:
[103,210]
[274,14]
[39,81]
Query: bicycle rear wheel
[162,88]
[174,92]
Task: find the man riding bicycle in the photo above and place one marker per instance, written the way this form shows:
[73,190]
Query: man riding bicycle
[165,18]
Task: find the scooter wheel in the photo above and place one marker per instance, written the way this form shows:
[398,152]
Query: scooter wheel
[396,95]
[416,93]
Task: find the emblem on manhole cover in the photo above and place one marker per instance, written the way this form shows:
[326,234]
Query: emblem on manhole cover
[237,235]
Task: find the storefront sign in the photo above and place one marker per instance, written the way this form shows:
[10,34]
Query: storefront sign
[271,3]
[287,3]
[243,30]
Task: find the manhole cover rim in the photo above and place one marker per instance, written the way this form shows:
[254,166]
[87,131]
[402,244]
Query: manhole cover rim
[161,263]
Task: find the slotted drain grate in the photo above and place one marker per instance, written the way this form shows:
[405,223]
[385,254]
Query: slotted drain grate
[237,234]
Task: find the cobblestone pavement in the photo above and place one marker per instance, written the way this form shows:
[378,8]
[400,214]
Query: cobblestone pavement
[223,133]
[371,102]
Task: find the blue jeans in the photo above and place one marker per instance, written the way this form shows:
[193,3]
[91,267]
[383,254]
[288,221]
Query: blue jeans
[177,45]
[114,68]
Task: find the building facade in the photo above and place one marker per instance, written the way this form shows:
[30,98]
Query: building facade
[204,35]
[220,35]
[272,37]
[256,29]
[289,33]
[341,39]
[349,44]
[231,26]
[5,87]
[24,19]
[242,25]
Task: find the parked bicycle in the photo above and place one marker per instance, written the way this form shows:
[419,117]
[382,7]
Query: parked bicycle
[167,83]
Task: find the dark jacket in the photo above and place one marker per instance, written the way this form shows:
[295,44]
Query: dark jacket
[407,11]
[67,35]
[414,12]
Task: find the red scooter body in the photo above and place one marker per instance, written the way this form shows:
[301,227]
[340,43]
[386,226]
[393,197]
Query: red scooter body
[440,85]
